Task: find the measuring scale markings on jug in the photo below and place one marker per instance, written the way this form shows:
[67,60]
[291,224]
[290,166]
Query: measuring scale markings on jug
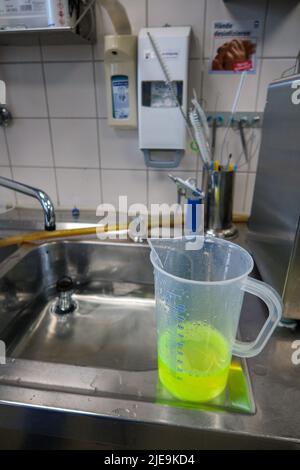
[199,296]
[202,359]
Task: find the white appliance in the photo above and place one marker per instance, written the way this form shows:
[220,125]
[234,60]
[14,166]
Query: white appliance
[161,124]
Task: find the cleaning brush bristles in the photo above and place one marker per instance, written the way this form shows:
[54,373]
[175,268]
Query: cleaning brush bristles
[201,140]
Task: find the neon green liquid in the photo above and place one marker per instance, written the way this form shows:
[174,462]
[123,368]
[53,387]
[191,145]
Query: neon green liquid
[202,362]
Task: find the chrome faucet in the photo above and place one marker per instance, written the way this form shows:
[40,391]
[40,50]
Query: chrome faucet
[187,188]
[41,196]
[195,198]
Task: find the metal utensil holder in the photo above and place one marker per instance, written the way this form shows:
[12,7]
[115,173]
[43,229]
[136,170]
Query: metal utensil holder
[218,188]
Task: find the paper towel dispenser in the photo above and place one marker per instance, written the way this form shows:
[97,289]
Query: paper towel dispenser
[162,128]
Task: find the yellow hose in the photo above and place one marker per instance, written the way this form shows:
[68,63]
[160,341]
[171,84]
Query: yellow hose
[75,232]
[39,236]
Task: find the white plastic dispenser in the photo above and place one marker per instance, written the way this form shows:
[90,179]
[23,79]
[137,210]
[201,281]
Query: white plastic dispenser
[161,124]
[120,76]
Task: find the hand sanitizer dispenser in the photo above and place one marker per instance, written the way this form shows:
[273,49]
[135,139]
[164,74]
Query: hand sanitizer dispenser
[161,124]
[120,77]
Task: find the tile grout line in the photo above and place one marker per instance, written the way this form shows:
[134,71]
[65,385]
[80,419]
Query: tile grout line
[138,170]
[267,9]
[79,61]
[147,169]
[201,88]
[56,61]
[202,59]
[81,118]
[262,56]
[259,78]
[49,124]
[204,30]
[147,188]
[98,126]
[10,162]
[74,168]
[147,13]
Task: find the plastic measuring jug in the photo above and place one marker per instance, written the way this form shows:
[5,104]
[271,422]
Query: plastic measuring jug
[199,294]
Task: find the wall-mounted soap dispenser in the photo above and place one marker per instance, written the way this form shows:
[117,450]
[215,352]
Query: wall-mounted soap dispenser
[162,125]
[120,76]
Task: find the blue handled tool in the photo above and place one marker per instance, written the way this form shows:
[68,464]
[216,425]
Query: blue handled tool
[195,198]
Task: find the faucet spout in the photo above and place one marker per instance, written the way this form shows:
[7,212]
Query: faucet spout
[41,196]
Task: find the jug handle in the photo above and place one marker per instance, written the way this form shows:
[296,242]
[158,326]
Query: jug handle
[274,304]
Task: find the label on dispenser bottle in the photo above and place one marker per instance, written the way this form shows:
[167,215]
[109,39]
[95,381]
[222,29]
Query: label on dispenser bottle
[120,96]
[22,7]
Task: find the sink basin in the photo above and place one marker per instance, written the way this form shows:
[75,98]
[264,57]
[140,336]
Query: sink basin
[114,307]
[110,338]
[7,251]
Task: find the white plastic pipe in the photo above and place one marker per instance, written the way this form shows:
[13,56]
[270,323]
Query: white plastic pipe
[233,110]
[118,16]
[2,92]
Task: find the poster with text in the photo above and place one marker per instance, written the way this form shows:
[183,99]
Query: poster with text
[234,46]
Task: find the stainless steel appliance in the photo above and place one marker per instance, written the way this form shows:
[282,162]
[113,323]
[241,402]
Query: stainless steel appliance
[274,237]
[26,22]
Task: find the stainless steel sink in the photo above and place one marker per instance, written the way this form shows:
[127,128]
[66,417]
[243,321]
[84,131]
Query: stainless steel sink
[54,395]
[112,330]
[113,325]
[7,251]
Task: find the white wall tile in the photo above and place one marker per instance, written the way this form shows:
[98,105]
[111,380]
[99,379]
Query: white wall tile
[189,160]
[100,89]
[178,13]
[29,142]
[42,178]
[282,29]
[20,53]
[218,10]
[70,89]
[7,196]
[24,89]
[80,188]
[75,142]
[271,69]
[66,53]
[233,145]
[132,184]
[119,148]
[71,93]
[195,78]
[219,91]
[199,179]
[162,189]
[4,161]
[136,10]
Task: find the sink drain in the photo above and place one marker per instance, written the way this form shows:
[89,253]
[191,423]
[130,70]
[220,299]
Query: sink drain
[65,303]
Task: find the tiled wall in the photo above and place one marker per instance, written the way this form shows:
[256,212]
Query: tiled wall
[60,140]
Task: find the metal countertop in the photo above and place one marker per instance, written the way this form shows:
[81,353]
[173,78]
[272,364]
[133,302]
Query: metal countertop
[72,420]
